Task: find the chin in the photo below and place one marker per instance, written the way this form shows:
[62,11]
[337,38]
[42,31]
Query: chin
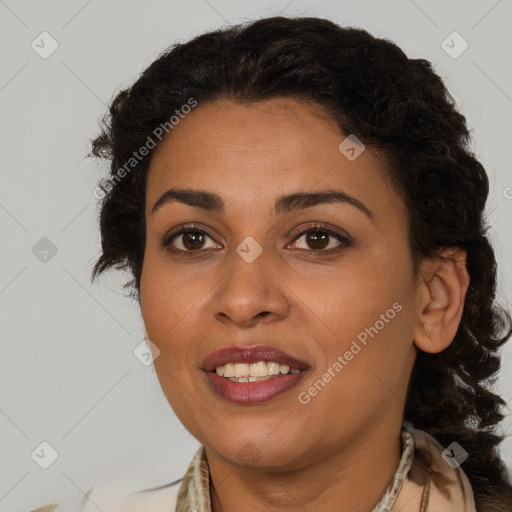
[256,452]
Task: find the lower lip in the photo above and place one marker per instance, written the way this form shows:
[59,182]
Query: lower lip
[254,392]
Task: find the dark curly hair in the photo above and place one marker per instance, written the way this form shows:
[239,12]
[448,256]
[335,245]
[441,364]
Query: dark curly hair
[397,105]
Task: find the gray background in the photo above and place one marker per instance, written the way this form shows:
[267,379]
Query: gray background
[68,373]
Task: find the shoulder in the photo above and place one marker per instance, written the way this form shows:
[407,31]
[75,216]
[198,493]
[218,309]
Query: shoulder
[115,497]
[450,489]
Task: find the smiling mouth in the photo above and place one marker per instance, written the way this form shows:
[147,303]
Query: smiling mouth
[254,372]
[252,375]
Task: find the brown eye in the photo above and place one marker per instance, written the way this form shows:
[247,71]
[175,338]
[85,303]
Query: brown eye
[193,240]
[189,240]
[320,240]
[317,239]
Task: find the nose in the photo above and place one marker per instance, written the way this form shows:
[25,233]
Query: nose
[250,293]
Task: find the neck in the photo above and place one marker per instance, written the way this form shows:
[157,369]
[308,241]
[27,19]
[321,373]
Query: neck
[352,479]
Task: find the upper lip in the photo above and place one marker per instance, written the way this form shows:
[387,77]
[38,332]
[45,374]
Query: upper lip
[250,355]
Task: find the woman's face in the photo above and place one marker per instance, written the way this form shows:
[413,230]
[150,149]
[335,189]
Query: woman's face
[344,308]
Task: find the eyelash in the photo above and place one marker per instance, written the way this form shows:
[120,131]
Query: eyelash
[166,242]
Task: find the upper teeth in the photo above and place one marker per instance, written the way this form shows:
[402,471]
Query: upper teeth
[259,369]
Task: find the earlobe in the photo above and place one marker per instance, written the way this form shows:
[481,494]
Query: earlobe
[442,292]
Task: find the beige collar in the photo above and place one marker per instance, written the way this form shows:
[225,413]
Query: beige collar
[450,489]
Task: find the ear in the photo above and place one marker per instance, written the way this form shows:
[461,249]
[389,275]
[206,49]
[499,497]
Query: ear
[442,287]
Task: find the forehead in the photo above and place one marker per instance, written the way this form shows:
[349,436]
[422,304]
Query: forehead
[259,150]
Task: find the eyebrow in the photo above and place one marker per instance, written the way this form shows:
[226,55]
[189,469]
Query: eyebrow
[211,202]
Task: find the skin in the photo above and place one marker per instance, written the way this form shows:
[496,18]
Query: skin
[343,446]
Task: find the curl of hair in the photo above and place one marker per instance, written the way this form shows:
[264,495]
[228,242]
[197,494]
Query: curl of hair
[400,107]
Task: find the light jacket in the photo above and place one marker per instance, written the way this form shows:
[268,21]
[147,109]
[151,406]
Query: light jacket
[425,481]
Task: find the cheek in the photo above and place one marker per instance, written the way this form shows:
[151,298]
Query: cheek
[355,297]
[369,310]
[169,305]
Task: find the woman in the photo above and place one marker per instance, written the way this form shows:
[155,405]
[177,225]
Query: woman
[303,220]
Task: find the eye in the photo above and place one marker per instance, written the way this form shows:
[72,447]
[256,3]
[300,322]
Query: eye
[187,240]
[320,240]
